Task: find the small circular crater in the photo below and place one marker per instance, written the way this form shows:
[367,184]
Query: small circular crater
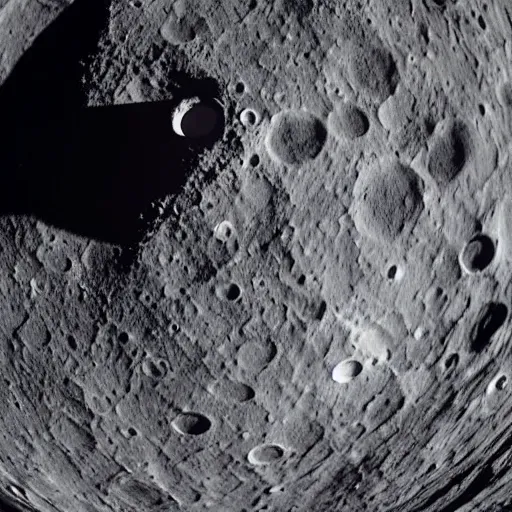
[388,200]
[395,273]
[505,94]
[254,161]
[477,254]
[55,258]
[451,361]
[265,454]
[232,391]
[449,153]
[67,264]
[154,369]
[223,231]
[72,343]
[192,424]
[254,356]
[232,292]
[249,118]
[349,120]
[295,136]
[132,432]
[243,393]
[392,272]
[501,383]
[431,468]
[347,370]
[196,119]
[373,70]
[101,405]
[178,30]
[240,88]
[123,338]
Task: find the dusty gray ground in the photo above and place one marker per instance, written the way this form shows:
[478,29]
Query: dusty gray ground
[323,328]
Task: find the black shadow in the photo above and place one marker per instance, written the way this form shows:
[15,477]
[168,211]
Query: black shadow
[90,170]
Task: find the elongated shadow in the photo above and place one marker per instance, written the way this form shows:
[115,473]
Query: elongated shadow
[90,170]
[6,506]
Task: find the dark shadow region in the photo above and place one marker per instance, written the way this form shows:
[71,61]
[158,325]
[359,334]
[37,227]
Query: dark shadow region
[93,171]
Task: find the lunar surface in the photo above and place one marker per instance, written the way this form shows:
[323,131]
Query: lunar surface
[255,256]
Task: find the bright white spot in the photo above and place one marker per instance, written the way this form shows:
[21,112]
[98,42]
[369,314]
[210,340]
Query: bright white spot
[346,371]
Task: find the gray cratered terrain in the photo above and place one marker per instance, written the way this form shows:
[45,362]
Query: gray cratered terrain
[313,311]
